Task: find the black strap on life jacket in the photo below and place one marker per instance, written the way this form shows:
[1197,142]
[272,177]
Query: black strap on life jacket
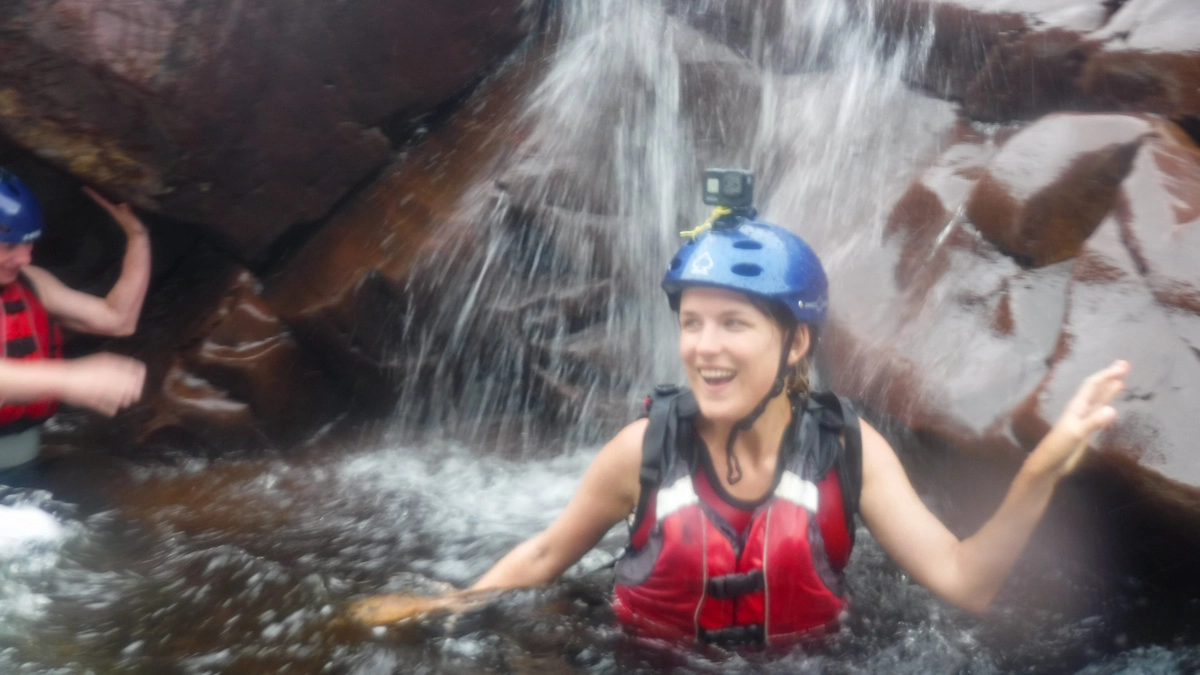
[838,416]
[671,410]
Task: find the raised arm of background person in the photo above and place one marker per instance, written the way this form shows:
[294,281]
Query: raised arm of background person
[117,313]
[970,572]
[608,494]
[105,383]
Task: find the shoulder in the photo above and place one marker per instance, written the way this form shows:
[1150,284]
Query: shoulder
[40,280]
[616,470]
[626,447]
[879,458]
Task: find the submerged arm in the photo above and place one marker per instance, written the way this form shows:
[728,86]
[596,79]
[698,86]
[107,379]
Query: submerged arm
[970,572]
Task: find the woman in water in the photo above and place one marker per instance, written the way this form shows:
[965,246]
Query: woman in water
[741,491]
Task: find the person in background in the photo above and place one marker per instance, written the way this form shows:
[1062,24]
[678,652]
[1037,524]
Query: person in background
[34,378]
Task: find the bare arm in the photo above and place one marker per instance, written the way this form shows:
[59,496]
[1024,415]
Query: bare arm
[970,572]
[117,313]
[608,493]
[105,383]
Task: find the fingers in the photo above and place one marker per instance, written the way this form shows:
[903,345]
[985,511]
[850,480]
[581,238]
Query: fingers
[385,609]
[122,213]
[1108,382]
[99,199]
[106,383]
[1101,387]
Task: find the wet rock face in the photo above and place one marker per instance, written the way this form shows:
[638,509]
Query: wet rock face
[988,332]
[240,381]
[1025,335]
[1019,59]
[242,117]
[1047,190]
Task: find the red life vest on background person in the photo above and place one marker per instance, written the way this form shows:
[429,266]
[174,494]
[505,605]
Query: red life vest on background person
[688,574]
[27,334]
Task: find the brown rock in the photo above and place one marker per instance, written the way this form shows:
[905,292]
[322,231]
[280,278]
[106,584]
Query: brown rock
[1150,61]
[1051,184]
[352,295]
[246,118]
[1020,59]
[1159,213]
[1025,79]
[1001,351]
[242,382]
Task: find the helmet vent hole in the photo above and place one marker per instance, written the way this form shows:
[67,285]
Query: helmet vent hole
[748,244]
[747,270]
[675,263]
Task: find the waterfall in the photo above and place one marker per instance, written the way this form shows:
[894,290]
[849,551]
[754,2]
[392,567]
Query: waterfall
[636,100]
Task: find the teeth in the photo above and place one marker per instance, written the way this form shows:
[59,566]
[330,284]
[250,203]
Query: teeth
[715,374]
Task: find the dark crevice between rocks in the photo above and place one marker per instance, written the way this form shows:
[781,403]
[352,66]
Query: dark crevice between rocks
[274,257]
[1191,126]
[1111,7]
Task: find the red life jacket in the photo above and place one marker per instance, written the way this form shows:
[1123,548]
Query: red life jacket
[687,575]
[28,334]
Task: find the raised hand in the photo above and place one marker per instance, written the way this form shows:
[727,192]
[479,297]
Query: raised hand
[122,213]
[1087,412]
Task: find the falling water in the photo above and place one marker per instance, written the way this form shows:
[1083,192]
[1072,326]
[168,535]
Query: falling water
[635,103]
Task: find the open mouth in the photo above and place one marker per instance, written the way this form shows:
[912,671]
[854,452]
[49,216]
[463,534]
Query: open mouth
[715,377]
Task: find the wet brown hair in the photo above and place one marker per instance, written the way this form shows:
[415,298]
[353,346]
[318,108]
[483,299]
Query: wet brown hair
[796,383]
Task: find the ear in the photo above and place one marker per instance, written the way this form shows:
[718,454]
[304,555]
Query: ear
[800,343]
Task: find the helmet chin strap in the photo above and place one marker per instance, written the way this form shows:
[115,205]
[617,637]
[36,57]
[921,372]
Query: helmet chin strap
[733,468]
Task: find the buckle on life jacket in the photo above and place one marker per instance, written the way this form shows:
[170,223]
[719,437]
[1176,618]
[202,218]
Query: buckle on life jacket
[732,585]
[734,636]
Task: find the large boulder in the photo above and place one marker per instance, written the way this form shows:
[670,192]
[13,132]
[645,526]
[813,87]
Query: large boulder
[1048,189]
[997,307]
[1020,59]
[244,118]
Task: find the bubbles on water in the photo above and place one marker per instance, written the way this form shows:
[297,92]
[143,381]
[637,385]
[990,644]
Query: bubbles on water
[30,541]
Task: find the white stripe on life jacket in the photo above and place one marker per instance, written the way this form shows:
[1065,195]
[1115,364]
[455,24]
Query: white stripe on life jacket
[798,491]
[678,495]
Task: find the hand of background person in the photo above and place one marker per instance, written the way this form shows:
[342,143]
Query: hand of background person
[1087,412]
[122,213]
[106,383]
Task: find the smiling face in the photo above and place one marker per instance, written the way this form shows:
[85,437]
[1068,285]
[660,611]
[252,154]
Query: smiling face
[13,257]
[730,350]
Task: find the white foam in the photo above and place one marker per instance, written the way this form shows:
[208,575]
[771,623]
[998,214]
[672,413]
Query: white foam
[24,525]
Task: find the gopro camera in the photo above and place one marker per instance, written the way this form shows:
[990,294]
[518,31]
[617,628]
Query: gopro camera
[731,188]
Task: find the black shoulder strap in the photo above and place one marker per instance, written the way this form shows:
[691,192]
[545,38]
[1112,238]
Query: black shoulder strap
[664,408]
[839,416]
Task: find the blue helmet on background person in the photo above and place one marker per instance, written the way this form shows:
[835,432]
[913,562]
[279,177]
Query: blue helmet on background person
[20,212]
[756,258]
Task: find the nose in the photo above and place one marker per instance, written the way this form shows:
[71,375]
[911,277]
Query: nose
[709,339]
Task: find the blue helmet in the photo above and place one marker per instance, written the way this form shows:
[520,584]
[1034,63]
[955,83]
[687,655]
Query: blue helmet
[756,258]
[20,213]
